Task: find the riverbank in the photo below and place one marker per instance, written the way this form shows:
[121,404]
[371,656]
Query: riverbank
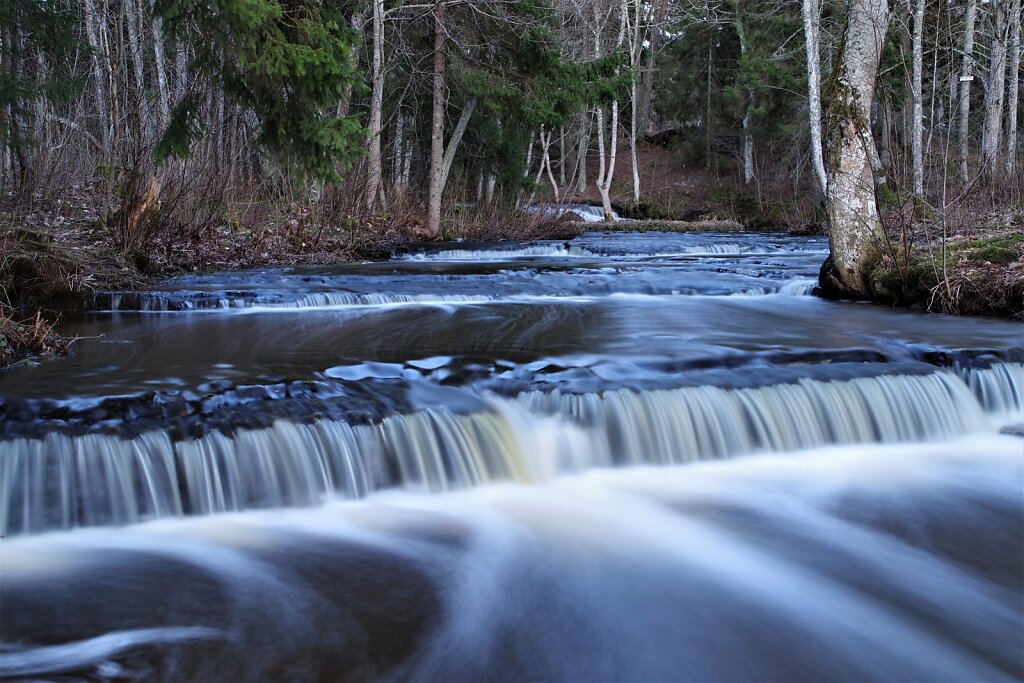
[56,259]
[52,265]
[978,275]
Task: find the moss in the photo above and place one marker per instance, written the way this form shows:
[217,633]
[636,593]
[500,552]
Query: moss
[999,251]
[888,196]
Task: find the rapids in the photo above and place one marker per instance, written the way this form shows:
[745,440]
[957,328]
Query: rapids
[627,457]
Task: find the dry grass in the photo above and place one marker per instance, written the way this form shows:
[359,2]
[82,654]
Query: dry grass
[32,337]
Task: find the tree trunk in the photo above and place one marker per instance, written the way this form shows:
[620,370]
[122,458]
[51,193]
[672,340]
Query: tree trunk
[399,148]
[374,164]
[1014,91]
[545,143]
[811,13]
[995,92]
[636,41]
[606,170]
[917,99]
[964,94]
[561,156]
[453,145]
[582,149]
[358,22]
[707,108]
[436,186]
[648,94]
[854,227]
[748,140]
[163,94]
[180,70]
[99,74]
[133,25]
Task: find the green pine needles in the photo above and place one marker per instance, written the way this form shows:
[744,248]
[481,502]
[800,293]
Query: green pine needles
[290,62]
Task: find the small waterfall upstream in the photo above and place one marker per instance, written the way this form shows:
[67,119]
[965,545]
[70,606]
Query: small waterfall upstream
[65,481]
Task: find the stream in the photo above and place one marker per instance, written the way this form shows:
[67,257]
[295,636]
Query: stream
[631,456]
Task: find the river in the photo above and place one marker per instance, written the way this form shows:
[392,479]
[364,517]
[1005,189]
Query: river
[650,456]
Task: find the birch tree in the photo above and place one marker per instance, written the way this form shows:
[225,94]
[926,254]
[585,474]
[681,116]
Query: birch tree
[1012,99]
[964,95]
[995,91]
[811,15]
[917,98]
[854,226]
[436,185]
[374,161]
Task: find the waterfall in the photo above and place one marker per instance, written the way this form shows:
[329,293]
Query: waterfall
[64,481]
[999,388]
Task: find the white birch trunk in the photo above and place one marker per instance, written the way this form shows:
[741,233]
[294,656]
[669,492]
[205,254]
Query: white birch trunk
[133,28]
[99,75]
[436,184]
[748,140]
[180,71]
[995,92]
[399,148]
[546,145]
[964,94]
[1012,99]
[453,144]
[811,13]
[854,227]
[374,165]
[917,100]
[163,93]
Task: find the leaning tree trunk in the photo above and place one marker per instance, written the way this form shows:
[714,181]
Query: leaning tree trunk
[854,226]
[436,186]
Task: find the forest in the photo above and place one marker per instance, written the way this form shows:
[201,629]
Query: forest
[144,137]
[511,340]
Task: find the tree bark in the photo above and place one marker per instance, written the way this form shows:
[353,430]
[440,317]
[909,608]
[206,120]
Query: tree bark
[399,149]
[453,144]
[748,140]
[374,165]
[99,74]
[636,40]
[811,13]
[606,170]
[1012,98]
[995,92]
[133,26]
[854,227]
[163,94]
[964,94]
[648,93]
[436,185]
[917,100]
[582,148]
